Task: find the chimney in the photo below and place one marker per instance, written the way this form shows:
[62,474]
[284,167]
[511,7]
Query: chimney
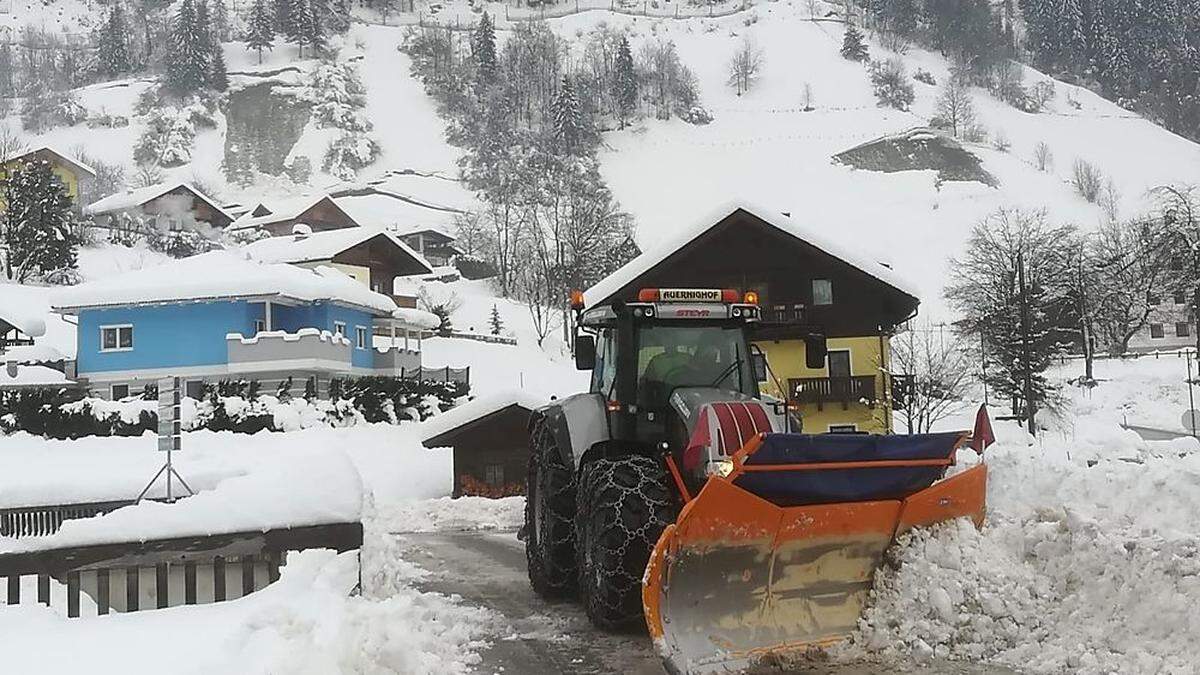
[301,231]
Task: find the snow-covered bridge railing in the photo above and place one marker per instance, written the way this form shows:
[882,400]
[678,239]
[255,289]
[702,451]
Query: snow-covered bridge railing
[158,573]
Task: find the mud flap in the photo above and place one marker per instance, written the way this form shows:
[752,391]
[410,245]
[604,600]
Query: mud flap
[737,577]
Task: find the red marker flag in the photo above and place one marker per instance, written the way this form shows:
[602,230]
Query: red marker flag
[982,436]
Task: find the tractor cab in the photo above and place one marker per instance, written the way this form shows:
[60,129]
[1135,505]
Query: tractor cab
[670,342]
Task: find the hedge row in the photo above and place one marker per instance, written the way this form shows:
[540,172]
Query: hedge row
[234,405]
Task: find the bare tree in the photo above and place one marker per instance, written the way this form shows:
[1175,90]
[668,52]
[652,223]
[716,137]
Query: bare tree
[931,374]
[11,143]
[1043,158]
[955,107]
[745,66]
[1132,261]
[1087,180]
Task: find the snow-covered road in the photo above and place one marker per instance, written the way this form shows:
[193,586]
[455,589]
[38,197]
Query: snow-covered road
[488,569]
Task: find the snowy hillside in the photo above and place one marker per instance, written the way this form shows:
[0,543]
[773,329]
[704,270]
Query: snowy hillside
[763,146]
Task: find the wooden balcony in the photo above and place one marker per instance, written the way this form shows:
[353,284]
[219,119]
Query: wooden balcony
[825,390]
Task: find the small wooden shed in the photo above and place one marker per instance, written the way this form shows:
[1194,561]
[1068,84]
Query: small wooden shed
[490,439]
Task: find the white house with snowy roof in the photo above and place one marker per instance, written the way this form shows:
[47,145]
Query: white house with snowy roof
[278,217]
[224,315]
[373,257]
[165,206]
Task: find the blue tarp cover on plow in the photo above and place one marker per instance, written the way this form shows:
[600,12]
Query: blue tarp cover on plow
[793,488]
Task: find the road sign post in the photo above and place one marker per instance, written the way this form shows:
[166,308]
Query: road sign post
[169,433]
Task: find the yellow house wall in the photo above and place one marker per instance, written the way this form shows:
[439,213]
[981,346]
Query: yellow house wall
[360,274]
[786,358]
[64,173]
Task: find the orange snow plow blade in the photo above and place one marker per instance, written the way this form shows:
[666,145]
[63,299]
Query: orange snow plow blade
[738,577]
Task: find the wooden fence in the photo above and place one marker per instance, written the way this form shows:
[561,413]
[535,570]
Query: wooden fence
[140,575]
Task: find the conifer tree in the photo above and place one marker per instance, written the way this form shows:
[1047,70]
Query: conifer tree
[261,32]
[112,54]
[37,227]
[284,15]
[218,78]
[306,27]
[853,47]
[494,321]
[625,82]
[483,48]
[187,66]
[220,27]
[567,121]
[207,43]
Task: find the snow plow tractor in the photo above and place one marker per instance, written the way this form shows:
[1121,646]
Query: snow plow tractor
[673,493]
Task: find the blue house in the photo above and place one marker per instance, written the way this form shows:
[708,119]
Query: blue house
[224,316]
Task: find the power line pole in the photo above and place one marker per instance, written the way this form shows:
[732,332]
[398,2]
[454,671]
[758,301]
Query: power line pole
[1026,357]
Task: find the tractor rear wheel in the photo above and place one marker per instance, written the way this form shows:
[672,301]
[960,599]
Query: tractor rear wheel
[622,507]
[549,517]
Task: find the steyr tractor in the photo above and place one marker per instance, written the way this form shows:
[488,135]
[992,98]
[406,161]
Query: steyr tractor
[673,493]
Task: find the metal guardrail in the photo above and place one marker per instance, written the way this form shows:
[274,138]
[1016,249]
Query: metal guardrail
[447,374]
[480,337]
[40,521]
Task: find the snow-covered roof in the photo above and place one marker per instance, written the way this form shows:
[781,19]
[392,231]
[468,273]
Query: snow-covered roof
[136,197]
[464,414]
[614,282]
[222,275]
[30,376]
[417,318]
[281,209]
[322,246]
[69,159]
[19,313]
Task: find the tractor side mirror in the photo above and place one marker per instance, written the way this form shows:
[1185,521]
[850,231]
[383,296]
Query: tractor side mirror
[758,361]
[815,351]
[585,352]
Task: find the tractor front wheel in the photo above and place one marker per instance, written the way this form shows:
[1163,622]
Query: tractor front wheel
[622,507]
[549,517]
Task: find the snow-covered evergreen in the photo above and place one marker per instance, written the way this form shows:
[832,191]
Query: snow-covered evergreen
[188,50]
[260,34]
[37,225]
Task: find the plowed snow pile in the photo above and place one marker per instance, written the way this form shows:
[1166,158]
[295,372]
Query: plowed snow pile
[1081,569]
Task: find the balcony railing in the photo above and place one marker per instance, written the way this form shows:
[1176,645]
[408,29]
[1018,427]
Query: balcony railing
[313,348]
[823,390]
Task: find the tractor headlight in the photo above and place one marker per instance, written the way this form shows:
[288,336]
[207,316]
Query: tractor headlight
[720,468]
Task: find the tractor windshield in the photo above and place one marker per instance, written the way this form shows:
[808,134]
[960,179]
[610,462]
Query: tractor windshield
[673,356]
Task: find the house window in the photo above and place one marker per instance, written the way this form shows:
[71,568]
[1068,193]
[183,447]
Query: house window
[116,338]
[259,326]
[194,389]
[360,337]
[119,391]
[1156,330]
[339,328]
[822,291]
[1180,298]
[493,474]
[1181,329]
[843,428]
[1176,263]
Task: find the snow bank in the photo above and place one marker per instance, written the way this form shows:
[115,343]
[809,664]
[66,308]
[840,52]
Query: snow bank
[1083,569]
[389,459]
[464,513]
[306,624]
[310,488]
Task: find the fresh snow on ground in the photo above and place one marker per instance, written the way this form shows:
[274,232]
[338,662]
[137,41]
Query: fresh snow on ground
[307,623]
[464,513]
